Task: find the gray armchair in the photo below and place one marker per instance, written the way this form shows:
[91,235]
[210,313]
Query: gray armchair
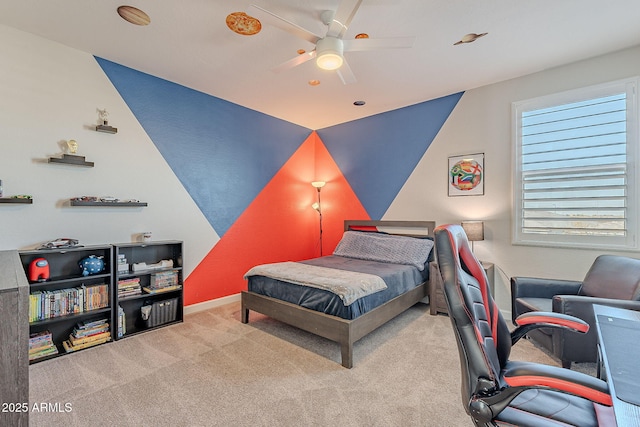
[612,280]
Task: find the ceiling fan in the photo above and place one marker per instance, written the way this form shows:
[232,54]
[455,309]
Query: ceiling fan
[329,49]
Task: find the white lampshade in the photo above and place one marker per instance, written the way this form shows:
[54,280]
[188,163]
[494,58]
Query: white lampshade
[318,184]
[329,53]
[474,230]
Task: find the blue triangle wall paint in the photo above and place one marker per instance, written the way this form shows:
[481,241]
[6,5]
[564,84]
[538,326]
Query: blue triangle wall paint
[377,154]
[223,153]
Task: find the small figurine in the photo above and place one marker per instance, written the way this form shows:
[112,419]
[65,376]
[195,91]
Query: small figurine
[91,265]
[72,145]
[104,122]
[104,115]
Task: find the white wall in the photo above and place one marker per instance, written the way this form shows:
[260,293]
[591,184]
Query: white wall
[49,94]
[481,122]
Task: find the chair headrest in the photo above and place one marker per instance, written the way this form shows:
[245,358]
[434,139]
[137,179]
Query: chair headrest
[613,276]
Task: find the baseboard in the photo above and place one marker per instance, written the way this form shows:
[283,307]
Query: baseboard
[194,308]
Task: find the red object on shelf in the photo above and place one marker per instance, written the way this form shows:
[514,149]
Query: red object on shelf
[39,270]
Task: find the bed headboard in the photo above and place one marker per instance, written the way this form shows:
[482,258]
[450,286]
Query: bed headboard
[412,228]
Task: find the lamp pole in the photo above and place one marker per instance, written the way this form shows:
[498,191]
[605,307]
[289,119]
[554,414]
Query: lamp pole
[320,214]
[318,206]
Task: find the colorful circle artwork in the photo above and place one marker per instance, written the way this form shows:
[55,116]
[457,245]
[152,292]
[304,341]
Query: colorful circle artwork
[465,175]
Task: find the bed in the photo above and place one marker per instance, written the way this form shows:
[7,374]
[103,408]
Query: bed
[298,305]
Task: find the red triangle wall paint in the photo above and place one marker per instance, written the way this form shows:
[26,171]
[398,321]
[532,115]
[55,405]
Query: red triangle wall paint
[279,225]
[339,202]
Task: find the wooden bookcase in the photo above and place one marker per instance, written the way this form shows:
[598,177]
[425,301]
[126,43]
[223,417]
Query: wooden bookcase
[65,309]
[166,304]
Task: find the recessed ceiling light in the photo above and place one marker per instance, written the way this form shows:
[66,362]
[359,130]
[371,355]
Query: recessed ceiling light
[471,37]
[314,82]
[133,15]
[359,103]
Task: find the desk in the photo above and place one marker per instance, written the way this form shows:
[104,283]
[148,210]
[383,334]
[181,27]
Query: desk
[619,358]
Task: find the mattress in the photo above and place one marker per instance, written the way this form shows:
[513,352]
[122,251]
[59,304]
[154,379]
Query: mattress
[399,279]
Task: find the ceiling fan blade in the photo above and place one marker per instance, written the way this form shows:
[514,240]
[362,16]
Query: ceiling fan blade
[346,74]
[342,18]
[358,45]
[288,26]
[294,62]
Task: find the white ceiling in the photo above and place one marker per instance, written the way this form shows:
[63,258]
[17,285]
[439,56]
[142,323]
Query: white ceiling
[188,42]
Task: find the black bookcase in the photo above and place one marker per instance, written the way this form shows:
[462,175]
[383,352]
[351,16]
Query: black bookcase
[72,299]
[147,298]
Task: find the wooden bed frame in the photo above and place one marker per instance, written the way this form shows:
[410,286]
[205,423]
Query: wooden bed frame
[344,332]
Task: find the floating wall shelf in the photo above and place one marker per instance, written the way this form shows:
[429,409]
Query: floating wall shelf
[109,204]
[15,200]
[71,159]
[106,129]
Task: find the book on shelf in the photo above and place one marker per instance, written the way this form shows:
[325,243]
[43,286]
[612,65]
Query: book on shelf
[163,279]
[48,351]
[41,345]
[45,305]
[60,302]
[91,323]
[122,322]
[160,290]
[129,287]
[96,296]
[86,329]
[127,294]
[69,347]
[39,337]
[123,266]
[87,334]
[89,338]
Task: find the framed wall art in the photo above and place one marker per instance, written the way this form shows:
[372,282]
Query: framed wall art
[466,175]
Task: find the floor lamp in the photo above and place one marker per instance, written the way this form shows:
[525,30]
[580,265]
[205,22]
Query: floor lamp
[318,206]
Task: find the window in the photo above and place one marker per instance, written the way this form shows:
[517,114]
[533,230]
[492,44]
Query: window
[575,156]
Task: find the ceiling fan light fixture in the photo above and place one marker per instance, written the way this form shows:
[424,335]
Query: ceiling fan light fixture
[329,61]
[329,53]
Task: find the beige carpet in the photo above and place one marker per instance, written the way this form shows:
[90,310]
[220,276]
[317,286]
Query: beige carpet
[212,370]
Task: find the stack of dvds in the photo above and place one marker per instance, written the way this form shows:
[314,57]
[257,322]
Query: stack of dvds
[48,304]
[88,334]
[45,305]
[41,345]
[163,282]
[129,287]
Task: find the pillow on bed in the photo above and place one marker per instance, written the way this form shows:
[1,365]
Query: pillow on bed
[385,248]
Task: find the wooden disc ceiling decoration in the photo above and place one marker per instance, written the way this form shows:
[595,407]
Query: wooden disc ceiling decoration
[134,15]
[241,23]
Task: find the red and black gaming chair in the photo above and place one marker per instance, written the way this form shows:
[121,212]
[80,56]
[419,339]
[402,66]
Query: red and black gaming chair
[495,390]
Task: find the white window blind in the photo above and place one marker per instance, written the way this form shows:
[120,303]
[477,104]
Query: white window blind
[575,167]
